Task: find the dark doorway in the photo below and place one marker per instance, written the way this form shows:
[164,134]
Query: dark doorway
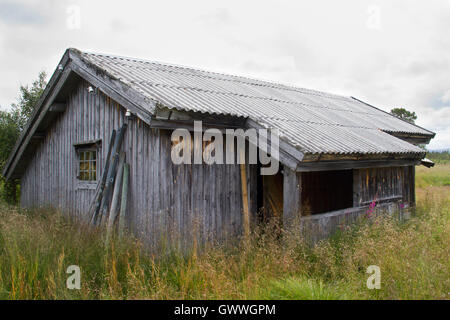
[326,191]
[270,195]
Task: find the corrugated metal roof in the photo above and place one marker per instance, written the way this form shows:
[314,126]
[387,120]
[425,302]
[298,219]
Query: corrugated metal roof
[312,121]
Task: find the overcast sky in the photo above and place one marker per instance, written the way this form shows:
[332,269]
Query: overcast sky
[387,53]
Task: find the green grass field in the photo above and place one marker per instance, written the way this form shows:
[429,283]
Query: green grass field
[36,247]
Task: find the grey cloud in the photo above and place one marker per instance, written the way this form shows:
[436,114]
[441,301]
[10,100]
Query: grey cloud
[323,46]
[217,17]
[20,14]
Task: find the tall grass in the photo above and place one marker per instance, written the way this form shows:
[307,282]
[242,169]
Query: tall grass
[37,246]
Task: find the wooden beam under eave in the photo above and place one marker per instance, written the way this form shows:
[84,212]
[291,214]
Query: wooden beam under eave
[57,107]
[348,165]
[38,135]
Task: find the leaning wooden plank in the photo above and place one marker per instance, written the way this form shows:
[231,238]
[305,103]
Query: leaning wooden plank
[112,174]
[123,202]
[116,195]
[101,186]
[106,198]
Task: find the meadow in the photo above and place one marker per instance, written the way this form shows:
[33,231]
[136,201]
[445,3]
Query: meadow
[37,246]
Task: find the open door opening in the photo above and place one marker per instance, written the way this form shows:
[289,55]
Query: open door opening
[270,196]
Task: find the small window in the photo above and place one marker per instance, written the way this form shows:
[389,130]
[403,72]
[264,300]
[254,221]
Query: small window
[87,170]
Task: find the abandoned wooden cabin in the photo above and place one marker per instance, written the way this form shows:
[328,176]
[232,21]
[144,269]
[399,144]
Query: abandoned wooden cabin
[337,154]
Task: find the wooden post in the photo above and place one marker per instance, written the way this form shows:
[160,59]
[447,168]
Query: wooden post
[357,187]
[246,214]
[123,202]
[245,211]
[292,196]
[116,195]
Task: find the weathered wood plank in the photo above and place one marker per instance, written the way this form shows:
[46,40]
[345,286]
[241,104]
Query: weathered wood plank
[292,190]
[116,194]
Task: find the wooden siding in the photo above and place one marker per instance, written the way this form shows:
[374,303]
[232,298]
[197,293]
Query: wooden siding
[50,178]
[383,184]
[204,200]
[320,226]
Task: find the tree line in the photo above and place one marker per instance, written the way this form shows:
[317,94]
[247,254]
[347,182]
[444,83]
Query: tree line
[12,123]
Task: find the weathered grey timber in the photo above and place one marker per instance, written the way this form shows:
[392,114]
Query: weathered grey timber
[123,201]
[337,154]
[114,211]
[97,203]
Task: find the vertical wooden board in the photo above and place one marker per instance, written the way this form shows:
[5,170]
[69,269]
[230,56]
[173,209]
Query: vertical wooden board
[218,202]
[189,187]
[253,193]
[194,197]
[200,198]
[225,201]
[236,211]
[85,119]
[234,208]
[152,184]
[165,205]
[149,183]
[137,176]
[413,185]
[137,214]
[145,164]
[292,190]
[357,192]
[204,218]
[129,223]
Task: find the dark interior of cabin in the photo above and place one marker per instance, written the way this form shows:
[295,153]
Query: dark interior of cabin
[325,191]
[322,191]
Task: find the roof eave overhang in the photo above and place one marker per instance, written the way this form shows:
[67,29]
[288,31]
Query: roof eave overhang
[413,138]
[357,164]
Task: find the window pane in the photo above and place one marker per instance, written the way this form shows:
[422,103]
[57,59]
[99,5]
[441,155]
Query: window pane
[87,165]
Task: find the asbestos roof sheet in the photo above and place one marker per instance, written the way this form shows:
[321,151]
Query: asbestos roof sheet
[314,122]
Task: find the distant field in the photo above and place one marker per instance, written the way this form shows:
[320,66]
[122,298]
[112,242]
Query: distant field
[438,176]
[36,247]
[439,157]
